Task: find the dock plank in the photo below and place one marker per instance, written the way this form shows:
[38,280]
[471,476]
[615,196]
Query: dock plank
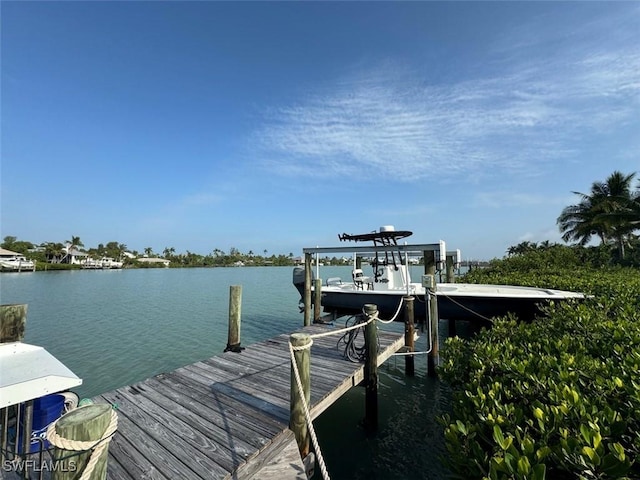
[142,439]
[282,461]
[227,416]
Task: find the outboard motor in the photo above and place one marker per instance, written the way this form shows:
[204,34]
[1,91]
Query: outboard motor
[298,279]
[298,282]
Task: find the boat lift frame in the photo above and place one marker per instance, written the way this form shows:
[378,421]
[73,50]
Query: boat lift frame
[438,250]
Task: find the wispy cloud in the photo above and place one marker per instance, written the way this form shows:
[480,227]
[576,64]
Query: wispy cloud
[528,111]
[551,235]
[201,199]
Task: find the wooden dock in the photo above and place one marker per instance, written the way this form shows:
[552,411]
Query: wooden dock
[227,416]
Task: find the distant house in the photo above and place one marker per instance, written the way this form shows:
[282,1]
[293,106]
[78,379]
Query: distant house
[4,253]
[75,257]
[164,261]
[69,255]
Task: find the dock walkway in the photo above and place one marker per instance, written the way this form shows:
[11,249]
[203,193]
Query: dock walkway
[227,416]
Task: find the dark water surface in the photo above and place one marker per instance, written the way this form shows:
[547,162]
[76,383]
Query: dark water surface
[113,328]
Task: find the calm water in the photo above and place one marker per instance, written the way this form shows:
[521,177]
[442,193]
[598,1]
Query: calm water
[114,328]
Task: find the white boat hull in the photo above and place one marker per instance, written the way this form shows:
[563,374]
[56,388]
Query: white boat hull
[457,301]
[17,264]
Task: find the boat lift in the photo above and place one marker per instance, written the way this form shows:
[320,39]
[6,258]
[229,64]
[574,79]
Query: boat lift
[434,258]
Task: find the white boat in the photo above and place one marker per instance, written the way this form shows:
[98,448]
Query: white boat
[389,281]
[108,262]
[91,264]
[103,263]
[17,263]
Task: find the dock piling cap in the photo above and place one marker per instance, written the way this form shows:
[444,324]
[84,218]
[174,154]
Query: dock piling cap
[370,309]
[299,339]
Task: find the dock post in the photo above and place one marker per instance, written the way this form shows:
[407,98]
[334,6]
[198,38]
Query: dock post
[451,278]
[430,263]
[13,319]
[307,289]
[409,343]
[297,420]
[371,370]
[451,272]
[429,269]
[317,297]
[235,309]
[433,357]
[84,424]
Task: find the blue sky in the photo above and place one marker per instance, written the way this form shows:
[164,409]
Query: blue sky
[276,126]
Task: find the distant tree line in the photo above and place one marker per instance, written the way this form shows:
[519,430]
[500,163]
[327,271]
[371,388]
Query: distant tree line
[59,252]
[609,212]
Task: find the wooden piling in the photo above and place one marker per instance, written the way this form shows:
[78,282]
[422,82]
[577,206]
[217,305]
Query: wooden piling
[84,424]
[429,269]
[451,271]
[13,319]
[235,315]
[371,370]
[451,278]
[297,420]
[409,360]
[317,297]
[430,262]
[307,289]
[433,357]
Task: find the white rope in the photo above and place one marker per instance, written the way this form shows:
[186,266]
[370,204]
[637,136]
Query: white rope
[97,446]
[307,414]
[405,354]
[395,315]
[343,330]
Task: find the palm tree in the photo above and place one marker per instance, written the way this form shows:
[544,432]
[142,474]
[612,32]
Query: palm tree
[616,199]
[122,248]
[72,245]
[54,251]
[598,213]
[633,213]
[545,245]
[521,248]
[75,243]
[629,213]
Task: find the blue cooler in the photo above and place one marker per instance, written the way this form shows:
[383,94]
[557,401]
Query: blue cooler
[46,410]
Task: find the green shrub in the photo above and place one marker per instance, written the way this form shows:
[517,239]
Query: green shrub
[555,398]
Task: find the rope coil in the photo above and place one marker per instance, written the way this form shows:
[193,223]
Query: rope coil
[95,446]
